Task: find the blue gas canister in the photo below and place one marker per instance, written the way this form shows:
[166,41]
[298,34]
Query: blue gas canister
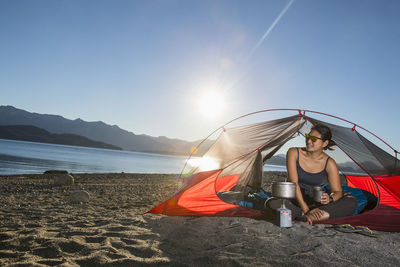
[284,216]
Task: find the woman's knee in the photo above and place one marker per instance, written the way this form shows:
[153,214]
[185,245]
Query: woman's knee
[352,202]
[347,206]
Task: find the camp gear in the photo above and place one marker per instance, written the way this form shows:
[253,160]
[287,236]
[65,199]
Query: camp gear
[255,200]
[317,194]
[242,149]
[285,190]
[284,216]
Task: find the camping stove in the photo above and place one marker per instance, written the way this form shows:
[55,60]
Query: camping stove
[284,190]
[284,216]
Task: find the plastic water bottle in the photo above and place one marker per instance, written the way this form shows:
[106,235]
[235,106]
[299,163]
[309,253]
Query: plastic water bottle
[284,216]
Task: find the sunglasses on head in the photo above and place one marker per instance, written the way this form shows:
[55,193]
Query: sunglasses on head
[313,138]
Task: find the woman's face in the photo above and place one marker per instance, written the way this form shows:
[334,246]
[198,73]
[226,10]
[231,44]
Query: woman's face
[314,141]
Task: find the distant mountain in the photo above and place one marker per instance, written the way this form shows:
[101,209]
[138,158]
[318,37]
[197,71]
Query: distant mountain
[349,166]
[35,134]
[98,131]
[279,159]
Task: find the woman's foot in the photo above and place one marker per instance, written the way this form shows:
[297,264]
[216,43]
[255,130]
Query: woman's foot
[315,215]
[304,218]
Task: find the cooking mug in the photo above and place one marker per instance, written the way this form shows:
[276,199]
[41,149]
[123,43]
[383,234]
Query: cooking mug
[318,191]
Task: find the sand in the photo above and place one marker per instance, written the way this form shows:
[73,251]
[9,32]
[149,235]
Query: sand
[40,227]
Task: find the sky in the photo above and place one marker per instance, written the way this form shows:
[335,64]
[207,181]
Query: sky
[182,68]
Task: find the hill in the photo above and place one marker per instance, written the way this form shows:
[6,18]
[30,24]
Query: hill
[98,131]
[35,134]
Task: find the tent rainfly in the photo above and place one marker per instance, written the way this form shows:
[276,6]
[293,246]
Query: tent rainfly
[241,152]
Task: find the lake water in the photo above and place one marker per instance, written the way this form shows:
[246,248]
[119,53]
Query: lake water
[20,157]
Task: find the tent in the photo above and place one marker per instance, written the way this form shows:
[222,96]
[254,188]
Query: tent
[234,164]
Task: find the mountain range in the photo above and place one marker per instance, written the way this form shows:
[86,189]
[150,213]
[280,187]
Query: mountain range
[35,134]
[98,131]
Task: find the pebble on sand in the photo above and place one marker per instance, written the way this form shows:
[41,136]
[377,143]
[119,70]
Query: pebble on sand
[79,196]
[64,179]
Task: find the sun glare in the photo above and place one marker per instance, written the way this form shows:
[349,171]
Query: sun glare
[205,163]
[211,104]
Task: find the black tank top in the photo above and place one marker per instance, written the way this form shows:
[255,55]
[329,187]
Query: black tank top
[307,180]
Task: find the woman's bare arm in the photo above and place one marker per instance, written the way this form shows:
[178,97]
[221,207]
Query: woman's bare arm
[291,158]
[334,182]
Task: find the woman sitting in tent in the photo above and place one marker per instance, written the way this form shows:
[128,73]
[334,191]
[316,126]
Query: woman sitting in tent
[308,167]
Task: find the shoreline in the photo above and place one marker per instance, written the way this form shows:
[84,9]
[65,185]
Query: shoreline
[40,226]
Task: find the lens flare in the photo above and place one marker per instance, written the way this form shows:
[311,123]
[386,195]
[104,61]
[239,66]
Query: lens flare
[205,163]
[193,150]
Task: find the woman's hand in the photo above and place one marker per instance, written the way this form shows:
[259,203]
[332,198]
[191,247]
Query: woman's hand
[305,211]
[325,199]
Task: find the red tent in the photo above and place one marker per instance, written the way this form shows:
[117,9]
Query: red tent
[239,154]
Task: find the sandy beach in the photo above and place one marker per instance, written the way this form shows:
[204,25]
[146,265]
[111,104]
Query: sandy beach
[39,226]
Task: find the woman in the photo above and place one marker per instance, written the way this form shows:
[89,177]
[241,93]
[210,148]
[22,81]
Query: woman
[309,167]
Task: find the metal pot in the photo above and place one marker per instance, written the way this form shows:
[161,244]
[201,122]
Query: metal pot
[285,190]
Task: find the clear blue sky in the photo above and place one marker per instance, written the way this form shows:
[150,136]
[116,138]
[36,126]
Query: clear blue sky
[145,65]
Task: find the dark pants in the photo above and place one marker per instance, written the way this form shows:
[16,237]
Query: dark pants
[344,207]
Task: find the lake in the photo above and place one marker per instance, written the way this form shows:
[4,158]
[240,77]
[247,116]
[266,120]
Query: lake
[20,157]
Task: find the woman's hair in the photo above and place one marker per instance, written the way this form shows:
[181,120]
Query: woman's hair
[326,135]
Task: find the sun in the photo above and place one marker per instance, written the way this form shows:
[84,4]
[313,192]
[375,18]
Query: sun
[211,104]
